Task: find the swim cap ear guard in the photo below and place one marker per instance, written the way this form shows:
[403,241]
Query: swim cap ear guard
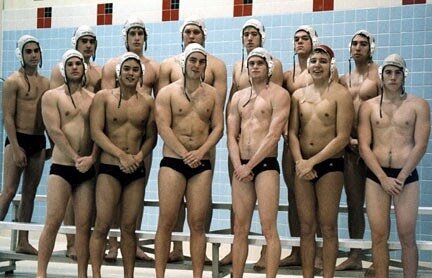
[83,31]
[263,53]
[133,22]
[70,53]
[197,21]
[313,35]
[255,23]
[21,43]
[370,38]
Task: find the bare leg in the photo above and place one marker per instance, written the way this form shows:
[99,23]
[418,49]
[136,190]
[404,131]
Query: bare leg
[69,219]
[378,210]
[306,207]
[83,199]
[171,189]
[12,175]
[293,220]
[58,194]
[328,191]
[244,199]
[132,196]
[139,252]
[354,181]
[406,205]
[267,191]
[228,257]
[107,195]
[198,193]
[31,178]
[177,254]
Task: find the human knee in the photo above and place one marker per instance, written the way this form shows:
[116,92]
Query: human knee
[407,240]
[128,228]
[241,230]
[380,237]
[307,229]
[8,194]
[197,226]
[328,231]
[101,229]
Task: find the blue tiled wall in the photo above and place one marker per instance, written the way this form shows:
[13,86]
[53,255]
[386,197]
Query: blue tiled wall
[406,30]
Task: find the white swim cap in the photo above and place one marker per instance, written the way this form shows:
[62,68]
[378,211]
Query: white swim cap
[191,48]
[22,41]
[370,38]
[197,21]
[255,23]
[127,56]
[263,53]
[134,22]
[313,35]
[70,53]
[80,32]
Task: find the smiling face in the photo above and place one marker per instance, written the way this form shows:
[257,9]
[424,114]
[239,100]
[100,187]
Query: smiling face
[319,65]
[195,65]
[130,73]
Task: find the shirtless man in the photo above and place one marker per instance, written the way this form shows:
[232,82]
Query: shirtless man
[190,121]
[193,30]
[83,40]
[252,35]
[24,152]
[393,136]
[260,112]
[122,125]
[363,83]
[135,37]
[304,41]
[319,128]
[66,112]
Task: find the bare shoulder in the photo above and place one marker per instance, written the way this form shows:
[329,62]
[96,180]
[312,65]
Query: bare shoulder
[111,63]
[169,61]
[417,102]
[298,94]
[89,93]
[168,89]
[339,90]
[215,62]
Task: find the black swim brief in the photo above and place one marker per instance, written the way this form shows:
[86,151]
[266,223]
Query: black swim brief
[124,179]
[178,165]
[328,166]
[393,173]
[71,174]
[31,143]
[267,164]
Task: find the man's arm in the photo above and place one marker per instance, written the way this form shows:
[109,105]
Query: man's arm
[56,79]
[294,127]
[156,68]
[220,81]
[109,74]
[10,92]
[281,110]
[233,131]
[150,134]
[165,73]
[52,120]
[163,116]
[216,124]
[277,76]
[421,138]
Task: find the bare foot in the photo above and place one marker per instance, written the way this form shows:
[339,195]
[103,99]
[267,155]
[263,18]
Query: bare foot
[140,255]
[370,272]
[292,260]
[71,253]
[111,256]
[227,260]
[260,265]
[350,264]
[175,256]
[26,248]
